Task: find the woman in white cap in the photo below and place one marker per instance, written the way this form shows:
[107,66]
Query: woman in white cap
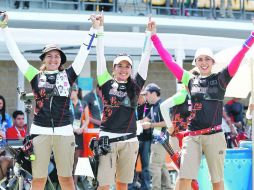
[51,125]
[207,93]
[120,94]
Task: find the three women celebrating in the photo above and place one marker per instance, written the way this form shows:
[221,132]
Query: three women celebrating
[52,125]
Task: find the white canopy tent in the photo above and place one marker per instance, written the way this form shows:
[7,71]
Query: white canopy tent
[35,39]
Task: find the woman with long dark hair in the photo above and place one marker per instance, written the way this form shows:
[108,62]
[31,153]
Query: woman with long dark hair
[5,120]
[120,94]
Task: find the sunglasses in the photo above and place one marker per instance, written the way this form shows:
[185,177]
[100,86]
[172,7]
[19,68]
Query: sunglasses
[123,54]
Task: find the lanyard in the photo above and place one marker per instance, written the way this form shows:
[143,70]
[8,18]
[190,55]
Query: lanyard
[136,113]
[153,115]
[144,112]
[72,108]
[98,103]
[19,134]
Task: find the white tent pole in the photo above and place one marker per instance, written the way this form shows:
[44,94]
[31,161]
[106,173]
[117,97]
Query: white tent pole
[252,113]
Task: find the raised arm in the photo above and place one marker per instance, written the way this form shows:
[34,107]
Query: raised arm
[84,50]
[102,73]
[166,56]
[146,52]
[28,71]
[236,61]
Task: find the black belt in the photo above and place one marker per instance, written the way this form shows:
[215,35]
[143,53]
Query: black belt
[122,138]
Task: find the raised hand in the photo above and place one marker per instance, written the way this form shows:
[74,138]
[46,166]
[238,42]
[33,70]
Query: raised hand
[101,18]
[95,21]
[151,26]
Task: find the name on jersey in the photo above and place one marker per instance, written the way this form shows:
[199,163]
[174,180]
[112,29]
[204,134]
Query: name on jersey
[209,87]
[198,89]
[117,93]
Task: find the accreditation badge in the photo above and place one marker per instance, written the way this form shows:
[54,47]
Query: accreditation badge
[76,124]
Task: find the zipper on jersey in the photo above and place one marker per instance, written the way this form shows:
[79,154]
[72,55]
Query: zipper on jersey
[51,119]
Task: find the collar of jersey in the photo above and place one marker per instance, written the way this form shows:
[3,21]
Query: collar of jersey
[51,72]
[120,82]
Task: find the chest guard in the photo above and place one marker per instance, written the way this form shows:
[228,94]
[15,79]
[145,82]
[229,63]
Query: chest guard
[54,84]
[208,88]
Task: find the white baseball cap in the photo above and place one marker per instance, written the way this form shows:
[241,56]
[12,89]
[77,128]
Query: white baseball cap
[203,51]
[122,57]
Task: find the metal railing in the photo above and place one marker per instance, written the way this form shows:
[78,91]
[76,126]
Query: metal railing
[158,7]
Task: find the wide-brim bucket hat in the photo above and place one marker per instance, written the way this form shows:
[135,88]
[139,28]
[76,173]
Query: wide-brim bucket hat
[51,47]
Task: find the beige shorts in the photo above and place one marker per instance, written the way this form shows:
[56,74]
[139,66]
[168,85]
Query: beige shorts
[119,164]
[63,148]
[174,143]
[214,148]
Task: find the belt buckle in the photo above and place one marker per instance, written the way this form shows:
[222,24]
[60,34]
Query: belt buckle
[125,138]
[213,130]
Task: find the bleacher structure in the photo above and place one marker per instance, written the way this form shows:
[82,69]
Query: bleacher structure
[241,8]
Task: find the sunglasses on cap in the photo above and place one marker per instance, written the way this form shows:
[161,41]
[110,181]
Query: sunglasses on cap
[122,57]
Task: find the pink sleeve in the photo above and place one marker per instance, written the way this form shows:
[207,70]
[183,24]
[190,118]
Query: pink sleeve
[236,61]
[167,58]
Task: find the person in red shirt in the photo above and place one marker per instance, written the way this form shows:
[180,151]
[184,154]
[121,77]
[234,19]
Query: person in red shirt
[18,130]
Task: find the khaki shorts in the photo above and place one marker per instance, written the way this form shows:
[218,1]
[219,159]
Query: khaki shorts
[214,148]
[63,149]
[174,144]
[119,164]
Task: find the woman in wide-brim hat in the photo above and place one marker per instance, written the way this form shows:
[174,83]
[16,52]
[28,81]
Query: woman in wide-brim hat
[51,125]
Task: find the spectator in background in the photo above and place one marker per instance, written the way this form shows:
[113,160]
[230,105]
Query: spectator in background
[25,4]
[249,119]
[229,9]
[76,109]
[234,110]
[155,121]
[106,8]
[174,8]
[145,140]
[18,130]
[5,120]
[93,101]
[93,6]
[191,6]
[229,130]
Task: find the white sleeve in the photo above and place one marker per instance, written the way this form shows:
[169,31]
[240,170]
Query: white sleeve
[146,52]
[14,51]
[165,108]
[101,61]
[84,50]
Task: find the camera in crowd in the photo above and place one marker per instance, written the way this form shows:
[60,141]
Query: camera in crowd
[100,146]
